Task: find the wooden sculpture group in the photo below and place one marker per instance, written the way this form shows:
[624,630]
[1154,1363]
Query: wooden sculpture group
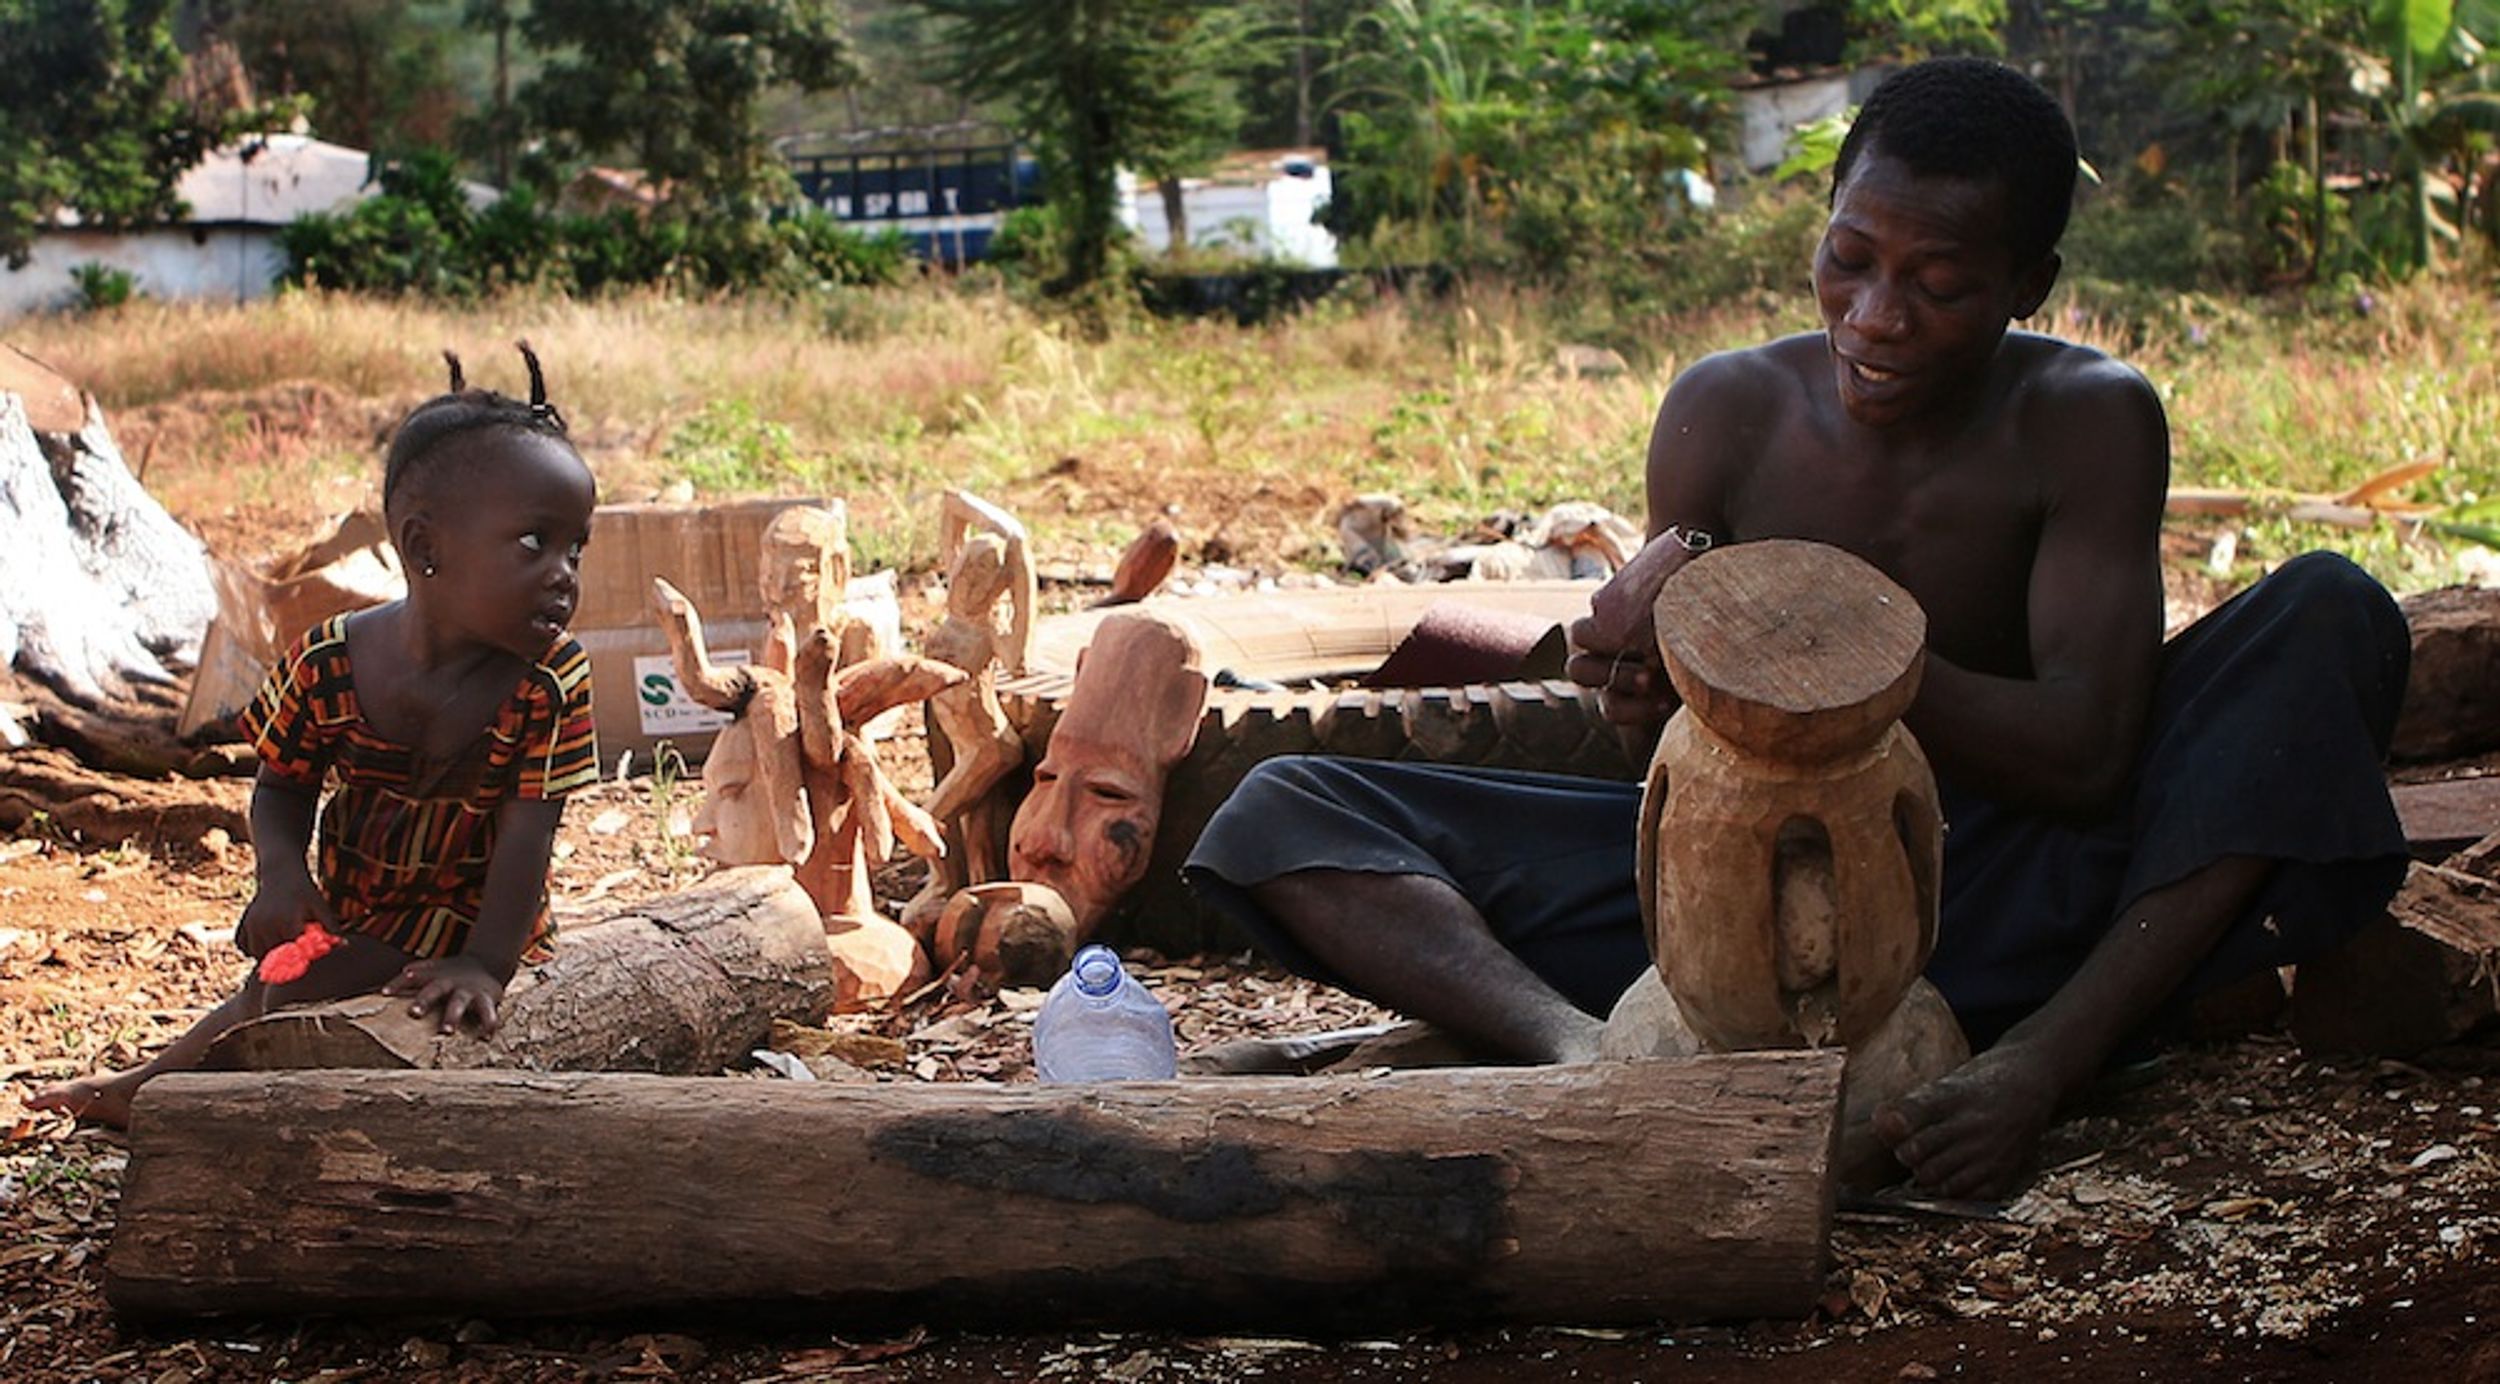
[1791,843]
[793,780]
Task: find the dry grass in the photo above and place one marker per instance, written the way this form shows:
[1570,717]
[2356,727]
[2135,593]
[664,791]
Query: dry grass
[888,396]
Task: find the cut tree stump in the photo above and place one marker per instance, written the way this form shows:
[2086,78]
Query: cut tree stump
[2427,973]
[1607,1192]
[686,983]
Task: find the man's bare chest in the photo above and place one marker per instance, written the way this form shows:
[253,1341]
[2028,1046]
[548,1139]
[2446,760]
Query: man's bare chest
[1960,537]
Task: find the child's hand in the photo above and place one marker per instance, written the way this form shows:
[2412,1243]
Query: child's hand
[460,986]
[278,911]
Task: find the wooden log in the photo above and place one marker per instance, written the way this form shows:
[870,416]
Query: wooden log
[2425,974]
[1613,1191]
[2449,710]
[687,983]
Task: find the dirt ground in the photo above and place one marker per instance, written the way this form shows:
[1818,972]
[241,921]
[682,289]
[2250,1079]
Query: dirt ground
[2244,1210]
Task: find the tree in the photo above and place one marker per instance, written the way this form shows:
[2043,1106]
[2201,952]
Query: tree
[677,85]
[1100,84]
[90,118]
[2395,85]
[2416,82]
[1204,117]
[1541,137]
[376,71]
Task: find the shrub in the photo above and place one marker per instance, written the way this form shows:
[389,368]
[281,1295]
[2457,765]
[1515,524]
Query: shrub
[2161,238]
[417,235]
[730,449]
[102,287]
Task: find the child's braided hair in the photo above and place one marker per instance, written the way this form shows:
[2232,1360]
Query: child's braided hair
[463,410]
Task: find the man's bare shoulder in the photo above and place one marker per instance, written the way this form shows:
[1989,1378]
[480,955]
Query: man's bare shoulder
[2086,418]
[2067,374]
[1738,386]
[1772,365]
[2080,400]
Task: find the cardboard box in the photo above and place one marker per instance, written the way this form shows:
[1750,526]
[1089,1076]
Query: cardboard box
[711,553]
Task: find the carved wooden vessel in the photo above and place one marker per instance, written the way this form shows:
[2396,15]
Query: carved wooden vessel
[1791,844]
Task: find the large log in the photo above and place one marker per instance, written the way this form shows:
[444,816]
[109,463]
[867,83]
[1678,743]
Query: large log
[686,983]
[1615,1191]
[2426,973]
[2449,710]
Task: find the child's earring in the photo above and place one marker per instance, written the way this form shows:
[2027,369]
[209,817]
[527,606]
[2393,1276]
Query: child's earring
[426,571]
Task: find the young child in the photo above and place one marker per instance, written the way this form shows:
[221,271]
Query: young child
[447,728]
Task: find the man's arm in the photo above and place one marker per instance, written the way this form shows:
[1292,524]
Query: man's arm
[2066,739]
[1615,648]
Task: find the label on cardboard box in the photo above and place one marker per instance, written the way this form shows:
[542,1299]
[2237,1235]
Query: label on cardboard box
[664,705]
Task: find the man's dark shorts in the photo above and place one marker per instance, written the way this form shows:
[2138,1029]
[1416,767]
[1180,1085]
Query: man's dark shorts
[2269,725]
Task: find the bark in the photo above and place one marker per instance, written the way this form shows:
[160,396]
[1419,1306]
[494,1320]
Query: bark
[1615,1191]
[686,983]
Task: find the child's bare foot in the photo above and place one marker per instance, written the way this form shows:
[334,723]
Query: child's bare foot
[1974,1131]
[90,1100]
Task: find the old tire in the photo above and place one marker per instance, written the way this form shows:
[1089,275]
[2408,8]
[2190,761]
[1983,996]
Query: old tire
[1326,635]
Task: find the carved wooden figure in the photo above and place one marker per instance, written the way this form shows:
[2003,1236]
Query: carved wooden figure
[987,557]
[1791,846]
[1087,829]
[789,780]
[1143,566]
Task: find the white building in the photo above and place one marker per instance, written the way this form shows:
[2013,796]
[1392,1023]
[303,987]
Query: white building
[1769,109]
[224,247]
[1258,202]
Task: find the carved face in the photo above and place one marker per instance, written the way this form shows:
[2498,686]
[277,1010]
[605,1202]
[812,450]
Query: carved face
[1088,826]
[980,574]
[736,816]
[805,564]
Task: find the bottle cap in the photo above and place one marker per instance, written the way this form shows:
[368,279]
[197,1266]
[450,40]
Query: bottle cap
[1097,970]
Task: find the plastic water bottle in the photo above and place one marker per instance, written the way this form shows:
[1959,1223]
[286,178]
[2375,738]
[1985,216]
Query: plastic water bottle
[1099,1024]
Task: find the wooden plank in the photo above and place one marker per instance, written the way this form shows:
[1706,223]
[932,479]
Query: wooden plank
[2445,816]
[1617,1191]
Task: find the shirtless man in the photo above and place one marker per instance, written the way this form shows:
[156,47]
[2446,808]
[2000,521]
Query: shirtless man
[2130,822]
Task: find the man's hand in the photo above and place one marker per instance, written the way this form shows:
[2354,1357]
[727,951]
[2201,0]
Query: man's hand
[1631,684]
[1614,648]
[460,986]
[279,909]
